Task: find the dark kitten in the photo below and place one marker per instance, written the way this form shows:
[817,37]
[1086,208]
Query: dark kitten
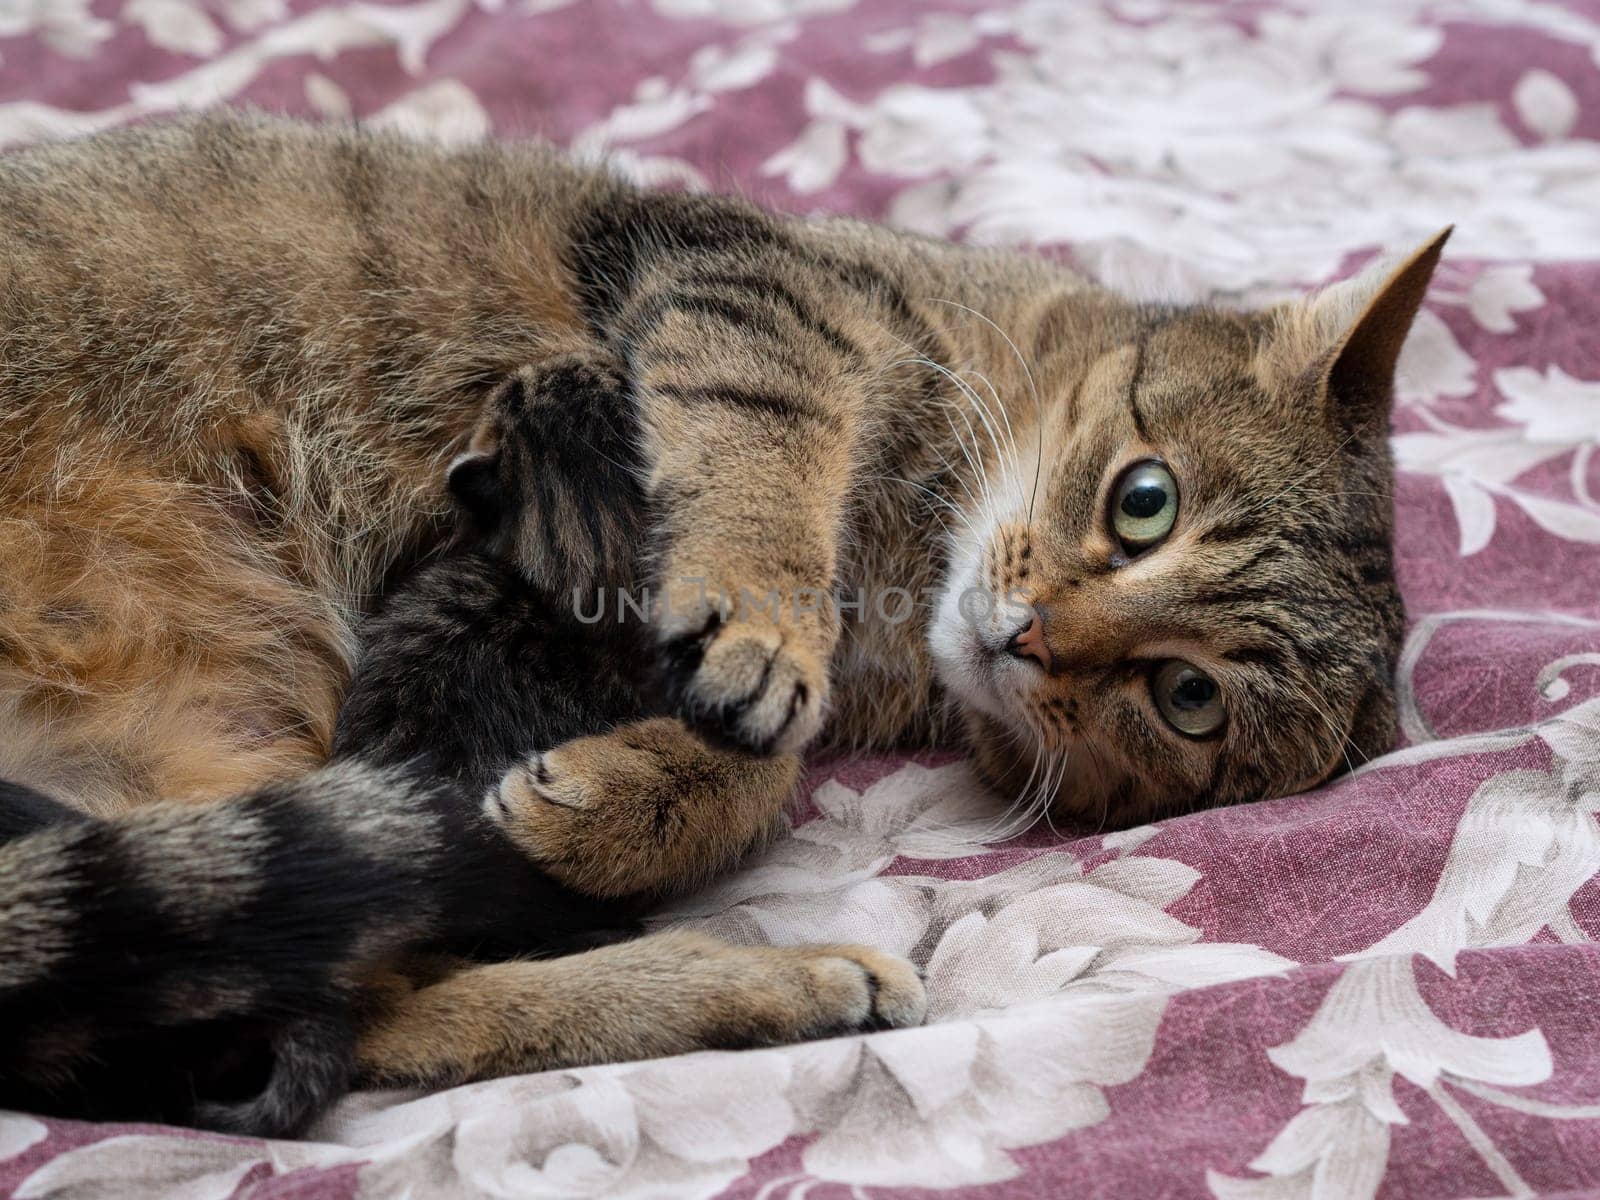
[502,786]
[480,660]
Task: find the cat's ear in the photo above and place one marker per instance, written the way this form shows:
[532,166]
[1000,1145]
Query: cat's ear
[474,481]
[1347,337]
[474,478]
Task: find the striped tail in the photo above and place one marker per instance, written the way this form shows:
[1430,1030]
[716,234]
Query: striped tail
[207,951]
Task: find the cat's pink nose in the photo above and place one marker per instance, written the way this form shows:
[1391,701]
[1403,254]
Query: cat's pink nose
[1028,642]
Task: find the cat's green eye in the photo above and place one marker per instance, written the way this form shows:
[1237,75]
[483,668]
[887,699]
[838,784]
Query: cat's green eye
[1188,699]
[1145,506]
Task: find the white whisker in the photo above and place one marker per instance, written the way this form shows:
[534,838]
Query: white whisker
[1038,405]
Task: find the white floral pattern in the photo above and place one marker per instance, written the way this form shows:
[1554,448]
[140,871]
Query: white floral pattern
[1382,986]
[1372,1026]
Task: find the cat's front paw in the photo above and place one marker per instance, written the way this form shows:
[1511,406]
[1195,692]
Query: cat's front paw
[755,684]
[567,821]
[645,807]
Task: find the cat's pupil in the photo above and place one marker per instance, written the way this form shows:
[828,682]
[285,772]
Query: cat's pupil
[1193,693]
[1144,501]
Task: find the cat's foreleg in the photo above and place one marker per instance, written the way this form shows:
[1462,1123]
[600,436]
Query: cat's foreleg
[751,401]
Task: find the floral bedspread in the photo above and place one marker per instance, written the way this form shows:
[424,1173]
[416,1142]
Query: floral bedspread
[1388,987]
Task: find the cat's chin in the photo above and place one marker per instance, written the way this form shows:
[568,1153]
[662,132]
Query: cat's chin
[968,667]
[980,678]
[1086,787]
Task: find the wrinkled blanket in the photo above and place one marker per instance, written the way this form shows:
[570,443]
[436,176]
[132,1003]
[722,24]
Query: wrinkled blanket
[1387,987]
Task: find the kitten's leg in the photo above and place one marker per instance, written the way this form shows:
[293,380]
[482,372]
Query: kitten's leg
[752,404]
[646,808]
[670,993]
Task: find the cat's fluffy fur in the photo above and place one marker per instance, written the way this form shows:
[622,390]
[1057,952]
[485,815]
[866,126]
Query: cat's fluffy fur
[237,354]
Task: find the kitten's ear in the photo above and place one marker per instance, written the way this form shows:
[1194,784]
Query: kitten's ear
[474,477]
[474,481]
[1349,336]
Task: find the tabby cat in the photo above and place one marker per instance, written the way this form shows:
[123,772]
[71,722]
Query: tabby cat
[1147,549]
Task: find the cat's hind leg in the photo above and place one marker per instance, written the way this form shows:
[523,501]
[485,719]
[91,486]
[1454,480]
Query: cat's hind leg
[645,808]
[670,993]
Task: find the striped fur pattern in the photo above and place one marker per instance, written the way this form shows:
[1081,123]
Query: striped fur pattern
[238,355]
[149,960]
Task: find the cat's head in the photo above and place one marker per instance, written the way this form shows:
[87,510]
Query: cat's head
[1195,603]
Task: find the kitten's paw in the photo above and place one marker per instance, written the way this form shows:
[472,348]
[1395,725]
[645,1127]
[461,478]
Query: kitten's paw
[753,684]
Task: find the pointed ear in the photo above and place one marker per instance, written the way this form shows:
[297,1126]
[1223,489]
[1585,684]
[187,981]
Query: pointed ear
[1347,337]
[474,481]
[1362,375]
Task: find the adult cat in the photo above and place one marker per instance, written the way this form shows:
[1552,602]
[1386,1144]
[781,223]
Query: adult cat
[236,353]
